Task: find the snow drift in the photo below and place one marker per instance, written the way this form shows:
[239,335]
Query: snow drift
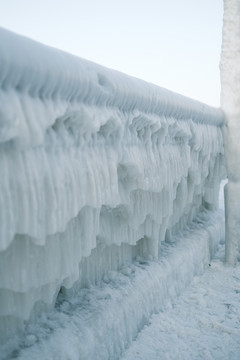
[97,168]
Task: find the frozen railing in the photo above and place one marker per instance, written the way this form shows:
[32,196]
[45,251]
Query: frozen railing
[96,167]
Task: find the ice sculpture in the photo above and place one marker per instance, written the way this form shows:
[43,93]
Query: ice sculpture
[96,168]
[230,102]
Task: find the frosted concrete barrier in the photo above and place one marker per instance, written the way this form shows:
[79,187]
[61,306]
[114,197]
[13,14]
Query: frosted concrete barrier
[97,168]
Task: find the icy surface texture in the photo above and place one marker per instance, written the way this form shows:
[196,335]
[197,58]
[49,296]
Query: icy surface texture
[100,322]
[230,102]
[96,168]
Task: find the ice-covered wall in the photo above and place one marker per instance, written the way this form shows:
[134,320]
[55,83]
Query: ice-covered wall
[96,168]
[230,102]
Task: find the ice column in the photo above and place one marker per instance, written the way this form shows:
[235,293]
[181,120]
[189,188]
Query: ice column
[230,102]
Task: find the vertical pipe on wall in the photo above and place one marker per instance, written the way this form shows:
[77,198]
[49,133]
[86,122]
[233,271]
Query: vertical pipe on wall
[230,103]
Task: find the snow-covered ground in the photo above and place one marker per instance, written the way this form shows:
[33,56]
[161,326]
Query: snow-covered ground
[203,323]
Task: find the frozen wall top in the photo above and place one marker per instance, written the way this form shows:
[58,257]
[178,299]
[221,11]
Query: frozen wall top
[46,74]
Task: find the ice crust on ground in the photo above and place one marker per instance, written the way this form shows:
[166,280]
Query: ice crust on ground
[204,323]
[97,168]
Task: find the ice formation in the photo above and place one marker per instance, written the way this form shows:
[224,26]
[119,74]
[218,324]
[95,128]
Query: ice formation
[101,321]
[97,168]
[230,103]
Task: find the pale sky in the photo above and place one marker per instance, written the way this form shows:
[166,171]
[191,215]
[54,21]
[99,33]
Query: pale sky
[175,44]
